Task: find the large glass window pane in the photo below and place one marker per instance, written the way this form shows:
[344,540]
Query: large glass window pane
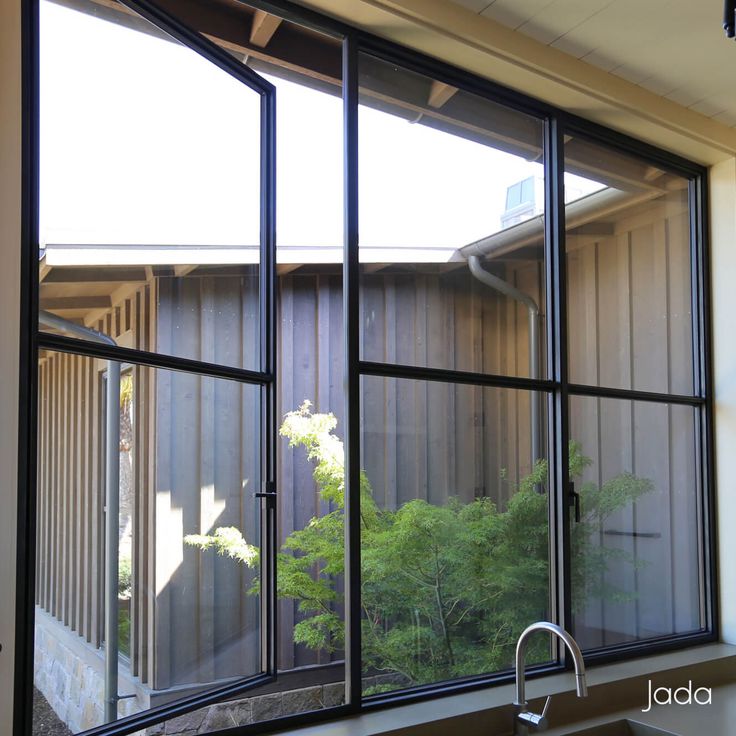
[628,272]
[204,304]
[149,188]
[454,532]
[188,607]
[144,142]
[446,176]
[636,563]
[305,66]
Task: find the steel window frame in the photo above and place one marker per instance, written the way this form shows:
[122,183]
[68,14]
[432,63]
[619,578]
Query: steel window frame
[557,387]
[34,340]
[557,125]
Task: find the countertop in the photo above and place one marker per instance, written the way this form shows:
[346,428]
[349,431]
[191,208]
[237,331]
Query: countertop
[716,719]
[616,691]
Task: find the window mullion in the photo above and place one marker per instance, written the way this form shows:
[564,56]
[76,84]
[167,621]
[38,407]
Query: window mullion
[351,327]
[268,325]
[702,383]
[560,594]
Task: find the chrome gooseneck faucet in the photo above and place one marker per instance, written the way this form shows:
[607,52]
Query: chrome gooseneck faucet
[526,719]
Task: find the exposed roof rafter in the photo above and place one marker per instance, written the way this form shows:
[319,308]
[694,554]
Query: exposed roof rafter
[263,27]
[440,93]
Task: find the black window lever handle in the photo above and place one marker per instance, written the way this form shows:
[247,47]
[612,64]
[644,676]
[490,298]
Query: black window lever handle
[269,492]
[573,499]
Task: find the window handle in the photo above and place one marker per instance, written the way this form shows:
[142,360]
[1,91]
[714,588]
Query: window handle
[269,491]
[573,499]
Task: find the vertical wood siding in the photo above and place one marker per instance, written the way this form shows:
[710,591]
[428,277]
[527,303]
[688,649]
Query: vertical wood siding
[196,441]
[630,327]
[431,440]
[207,450]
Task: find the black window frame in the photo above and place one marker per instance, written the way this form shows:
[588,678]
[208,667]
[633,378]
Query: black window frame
[557,387]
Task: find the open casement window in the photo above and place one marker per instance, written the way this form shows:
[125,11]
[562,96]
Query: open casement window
[138,619]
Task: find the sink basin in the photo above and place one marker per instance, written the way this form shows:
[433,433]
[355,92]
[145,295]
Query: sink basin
[621,728]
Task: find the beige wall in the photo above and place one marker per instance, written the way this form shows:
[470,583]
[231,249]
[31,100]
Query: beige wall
[695,136]
[723,260]
[448,31]
[10,132]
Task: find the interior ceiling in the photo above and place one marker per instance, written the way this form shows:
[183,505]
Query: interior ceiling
[674,48]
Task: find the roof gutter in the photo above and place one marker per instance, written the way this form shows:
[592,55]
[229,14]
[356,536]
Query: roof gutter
[577,213]
[580,212]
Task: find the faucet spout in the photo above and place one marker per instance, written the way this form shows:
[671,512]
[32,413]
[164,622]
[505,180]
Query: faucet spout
[525,718]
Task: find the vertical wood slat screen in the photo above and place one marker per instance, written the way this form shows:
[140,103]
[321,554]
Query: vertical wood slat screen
[70,491]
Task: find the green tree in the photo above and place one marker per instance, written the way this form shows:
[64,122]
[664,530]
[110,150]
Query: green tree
[445,589]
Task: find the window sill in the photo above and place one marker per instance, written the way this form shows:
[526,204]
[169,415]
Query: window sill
[489,712]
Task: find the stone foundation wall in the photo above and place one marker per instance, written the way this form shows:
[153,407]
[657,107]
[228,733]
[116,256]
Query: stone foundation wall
[69,674]
[257,708]
[253,710]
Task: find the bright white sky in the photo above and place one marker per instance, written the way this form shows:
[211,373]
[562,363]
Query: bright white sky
[145,142]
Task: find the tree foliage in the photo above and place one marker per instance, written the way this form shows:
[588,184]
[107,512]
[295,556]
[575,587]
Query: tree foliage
[445,589]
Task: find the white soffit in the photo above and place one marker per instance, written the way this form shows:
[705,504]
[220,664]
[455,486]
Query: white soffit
[671,109]
[674,48]
[64,255]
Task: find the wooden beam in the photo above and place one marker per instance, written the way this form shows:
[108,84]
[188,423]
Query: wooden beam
[451,266]
[74,302]
[601,227]
[183,270]
[439,94]
[373,267]
[117,298]
[652,173]
[43,269]
[283,268]
[263,27]
[98,274]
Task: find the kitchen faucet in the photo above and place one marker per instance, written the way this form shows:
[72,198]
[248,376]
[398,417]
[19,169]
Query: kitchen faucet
[525,720]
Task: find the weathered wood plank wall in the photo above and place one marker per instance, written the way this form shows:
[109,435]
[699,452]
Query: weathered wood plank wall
[459,456]
[208,453]
[310,365]
[432,440]
[630,327]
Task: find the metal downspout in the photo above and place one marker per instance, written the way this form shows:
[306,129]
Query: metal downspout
[498,284]
[112,504]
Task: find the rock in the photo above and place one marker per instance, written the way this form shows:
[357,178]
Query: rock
[333,694]
[242,712]
[218,718]
[266,707]
[301,701]
[188,722]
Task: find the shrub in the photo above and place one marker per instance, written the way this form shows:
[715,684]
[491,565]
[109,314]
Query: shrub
[445,589]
